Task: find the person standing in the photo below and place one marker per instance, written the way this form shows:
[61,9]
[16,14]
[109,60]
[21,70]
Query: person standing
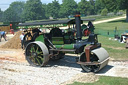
[3,34]
[21,38]
[0,36]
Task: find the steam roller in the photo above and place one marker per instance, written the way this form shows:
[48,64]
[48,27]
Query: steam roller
[93,60]
[53,45]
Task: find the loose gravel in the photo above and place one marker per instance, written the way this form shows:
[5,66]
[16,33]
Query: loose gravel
[55,73]
[61,72]
[116,69]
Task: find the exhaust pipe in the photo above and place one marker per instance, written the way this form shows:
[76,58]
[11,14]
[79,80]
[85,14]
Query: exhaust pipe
[78,26]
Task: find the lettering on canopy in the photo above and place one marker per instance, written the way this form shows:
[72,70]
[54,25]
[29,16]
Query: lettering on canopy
[44,26]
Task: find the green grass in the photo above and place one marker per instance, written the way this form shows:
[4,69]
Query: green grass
[105,80]
[1,22]
[115,49]
[120,24]
[104,28]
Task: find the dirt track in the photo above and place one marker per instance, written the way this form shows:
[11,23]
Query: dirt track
[15,70]
[108,20]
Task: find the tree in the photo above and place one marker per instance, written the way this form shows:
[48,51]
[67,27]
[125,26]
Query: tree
[111,5]
[68,7]
[84,7]
[104,12]
[92,7]
[14,12]
[123,4]
[1,15]
[99,6]
[9,16]
[53,9]
[117,4]
[44,8]
[33,10]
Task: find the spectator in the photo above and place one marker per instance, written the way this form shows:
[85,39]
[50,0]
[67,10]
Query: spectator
[3,34]
[21,38]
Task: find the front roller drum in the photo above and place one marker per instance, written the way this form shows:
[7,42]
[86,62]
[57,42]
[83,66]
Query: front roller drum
[37,53]
[98,59]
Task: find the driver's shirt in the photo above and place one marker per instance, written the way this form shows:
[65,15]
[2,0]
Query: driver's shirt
[21,37]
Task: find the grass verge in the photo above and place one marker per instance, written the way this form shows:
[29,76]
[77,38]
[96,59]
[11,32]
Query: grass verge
[103,28]
[105,80]
[121,24]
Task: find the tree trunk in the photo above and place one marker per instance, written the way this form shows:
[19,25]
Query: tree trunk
[126,15]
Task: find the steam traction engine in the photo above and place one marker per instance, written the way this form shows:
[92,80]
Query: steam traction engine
[41,47]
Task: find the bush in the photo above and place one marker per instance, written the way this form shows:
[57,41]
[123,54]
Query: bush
[104,12]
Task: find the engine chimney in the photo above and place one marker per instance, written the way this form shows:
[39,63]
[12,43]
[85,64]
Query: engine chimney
[78,26]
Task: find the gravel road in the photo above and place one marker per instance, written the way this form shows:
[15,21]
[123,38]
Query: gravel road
[55,73]
[116,69]
[59,72]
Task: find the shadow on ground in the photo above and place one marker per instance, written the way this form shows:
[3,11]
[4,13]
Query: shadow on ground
[68,61]
[123,21]
[105,69]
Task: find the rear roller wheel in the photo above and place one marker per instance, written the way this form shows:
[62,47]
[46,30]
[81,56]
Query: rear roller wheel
[36,53]
[89,68]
